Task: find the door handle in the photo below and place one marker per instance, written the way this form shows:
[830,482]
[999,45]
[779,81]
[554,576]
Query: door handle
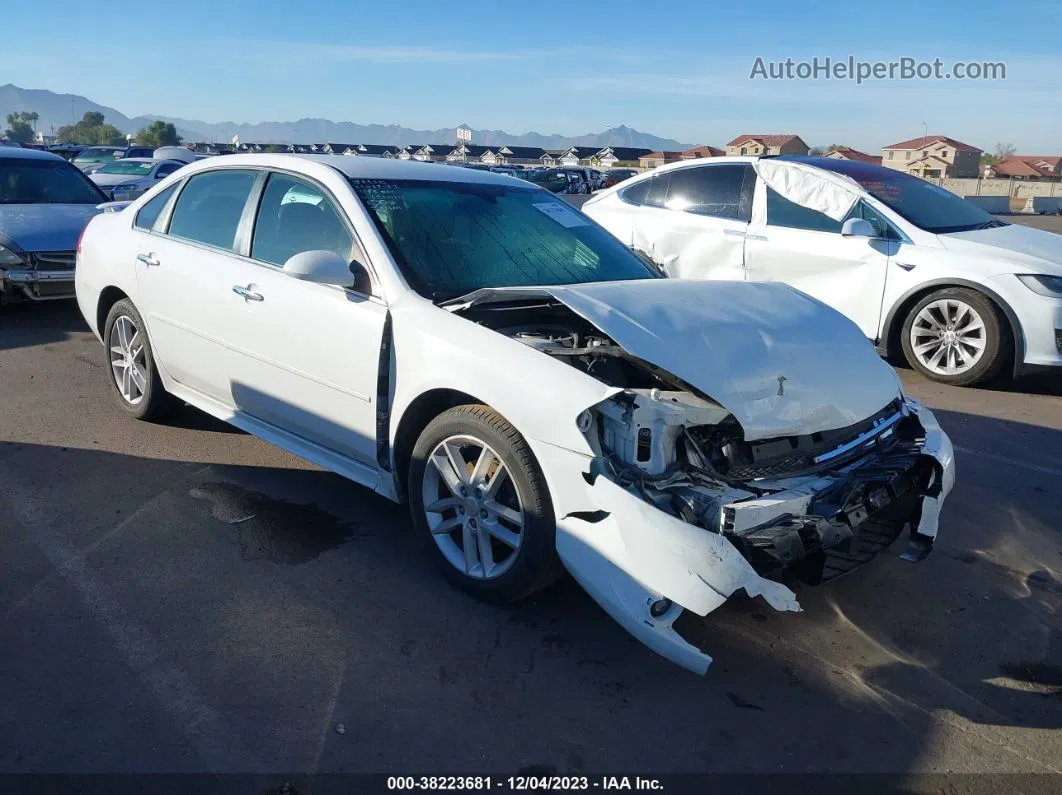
[247,293]
[761,238]
[734,232]
[148,260]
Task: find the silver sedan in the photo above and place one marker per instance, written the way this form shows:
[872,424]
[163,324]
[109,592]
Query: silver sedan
[130,177]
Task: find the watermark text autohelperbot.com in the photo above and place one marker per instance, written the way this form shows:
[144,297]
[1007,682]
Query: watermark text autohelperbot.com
[850,68]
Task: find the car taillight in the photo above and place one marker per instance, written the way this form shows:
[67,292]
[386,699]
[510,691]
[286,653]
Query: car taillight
[80,238]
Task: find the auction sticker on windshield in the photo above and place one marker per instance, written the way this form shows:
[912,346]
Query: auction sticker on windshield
[561,213]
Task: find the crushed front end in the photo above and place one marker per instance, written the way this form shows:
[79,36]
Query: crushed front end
[675,505]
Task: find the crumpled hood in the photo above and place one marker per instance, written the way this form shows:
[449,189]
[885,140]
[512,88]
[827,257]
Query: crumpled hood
[781,362]
[1016,243]
[44,227]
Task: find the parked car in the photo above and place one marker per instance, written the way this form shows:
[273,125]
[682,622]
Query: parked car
[67,151]
[93,158]
[131,176]
[561,180]
[617,175]
[44,205]
[963,295]
[88,160]
[538,393]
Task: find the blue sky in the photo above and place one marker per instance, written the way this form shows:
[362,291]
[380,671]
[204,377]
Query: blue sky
[674,68]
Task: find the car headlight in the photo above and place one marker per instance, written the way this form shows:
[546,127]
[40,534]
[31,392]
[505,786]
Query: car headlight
[9,257]
[1051,286]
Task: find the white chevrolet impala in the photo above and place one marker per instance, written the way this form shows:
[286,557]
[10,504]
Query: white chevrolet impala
[540,396]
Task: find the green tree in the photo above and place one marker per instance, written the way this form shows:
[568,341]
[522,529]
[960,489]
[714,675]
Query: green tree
[158,133]
[92,130]
[20,126]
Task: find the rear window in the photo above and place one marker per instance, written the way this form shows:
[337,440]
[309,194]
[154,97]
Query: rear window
[209,209]
[126,167]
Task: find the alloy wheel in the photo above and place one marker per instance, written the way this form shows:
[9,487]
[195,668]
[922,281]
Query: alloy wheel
[472,507]
[948,336]
[128,360]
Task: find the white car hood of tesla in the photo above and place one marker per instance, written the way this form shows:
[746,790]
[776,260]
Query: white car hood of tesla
[781,362]
[1014,242]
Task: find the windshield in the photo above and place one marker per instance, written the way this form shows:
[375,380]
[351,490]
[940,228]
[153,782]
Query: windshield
[450,238]
[924,204]
[45,182]
[127,167]
[96,155]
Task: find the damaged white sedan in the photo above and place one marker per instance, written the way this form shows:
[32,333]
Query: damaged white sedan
[539,395]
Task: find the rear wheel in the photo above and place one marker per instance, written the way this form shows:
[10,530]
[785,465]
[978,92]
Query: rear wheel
[131,364]
[956,336]
[478,496]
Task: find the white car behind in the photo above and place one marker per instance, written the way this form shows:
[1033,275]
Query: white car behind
[963,295]
[543,399]
[131,177]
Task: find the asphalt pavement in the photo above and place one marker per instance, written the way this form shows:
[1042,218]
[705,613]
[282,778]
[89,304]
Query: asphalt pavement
[182,597]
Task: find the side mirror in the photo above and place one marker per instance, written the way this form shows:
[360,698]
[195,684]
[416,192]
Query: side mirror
[858,227]
[327,267]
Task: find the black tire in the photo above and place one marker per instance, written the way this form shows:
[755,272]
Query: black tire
[997,337]
[536,564]
[156,402]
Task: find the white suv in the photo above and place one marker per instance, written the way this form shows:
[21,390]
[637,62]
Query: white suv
[961,293]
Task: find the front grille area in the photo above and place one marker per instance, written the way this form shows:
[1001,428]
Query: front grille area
[53,260]
[796,455]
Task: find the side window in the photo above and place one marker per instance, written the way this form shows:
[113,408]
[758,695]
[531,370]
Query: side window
[658,190]
[868,213]
[782,212]
[149,213]
[166,170]
[710,190]
[209,208]
[294,216]
[636,193]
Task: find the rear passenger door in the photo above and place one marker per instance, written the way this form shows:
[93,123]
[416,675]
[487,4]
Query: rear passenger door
[692,221]
[186,267]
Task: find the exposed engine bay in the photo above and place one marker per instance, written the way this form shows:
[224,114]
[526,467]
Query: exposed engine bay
[812,506]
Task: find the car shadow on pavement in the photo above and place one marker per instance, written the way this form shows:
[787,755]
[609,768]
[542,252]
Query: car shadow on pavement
[286,603]
[26,323]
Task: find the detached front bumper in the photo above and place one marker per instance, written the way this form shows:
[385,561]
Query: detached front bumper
[645,566]
[36,284]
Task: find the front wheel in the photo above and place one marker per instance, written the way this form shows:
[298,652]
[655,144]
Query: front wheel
[956,336]
[479,497]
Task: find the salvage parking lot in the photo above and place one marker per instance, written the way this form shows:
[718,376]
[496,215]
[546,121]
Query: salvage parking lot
[183,597]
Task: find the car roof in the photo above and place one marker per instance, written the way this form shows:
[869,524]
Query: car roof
[19,153]
[357,167]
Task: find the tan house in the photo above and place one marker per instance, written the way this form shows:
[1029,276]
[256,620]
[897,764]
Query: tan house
[848,153]
[702,151]
[1040,168]
[933,156]
[767,145]
[654,159]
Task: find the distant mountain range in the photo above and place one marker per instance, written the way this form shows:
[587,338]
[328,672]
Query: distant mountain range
[57,110]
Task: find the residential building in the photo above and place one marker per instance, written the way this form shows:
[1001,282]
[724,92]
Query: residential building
[1039,168]
[848,153]
[932,157]
[655,159]
[702,151]
[767,145]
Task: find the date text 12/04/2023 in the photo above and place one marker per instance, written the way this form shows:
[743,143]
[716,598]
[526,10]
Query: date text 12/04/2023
[523,783]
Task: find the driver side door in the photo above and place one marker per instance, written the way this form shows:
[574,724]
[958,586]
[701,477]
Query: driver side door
[309,354]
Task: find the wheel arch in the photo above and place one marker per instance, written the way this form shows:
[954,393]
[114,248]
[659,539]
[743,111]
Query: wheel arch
[422,410]
[894,320]
[109,296]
